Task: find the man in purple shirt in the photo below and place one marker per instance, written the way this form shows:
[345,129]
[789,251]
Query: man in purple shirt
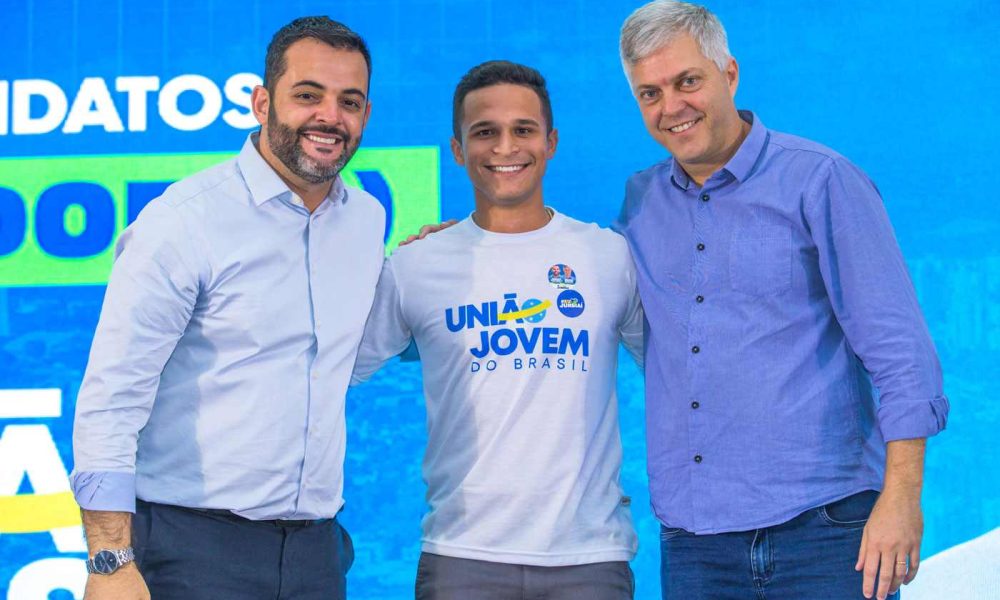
[790,376]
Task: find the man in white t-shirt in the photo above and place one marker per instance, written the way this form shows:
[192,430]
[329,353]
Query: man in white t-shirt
[517,312]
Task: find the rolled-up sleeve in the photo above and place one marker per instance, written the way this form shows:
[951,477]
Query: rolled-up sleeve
[149,301]
[874,300]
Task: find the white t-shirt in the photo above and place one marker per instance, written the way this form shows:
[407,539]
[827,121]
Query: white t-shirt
[518,335]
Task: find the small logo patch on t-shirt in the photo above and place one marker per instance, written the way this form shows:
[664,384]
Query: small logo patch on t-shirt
[562,276]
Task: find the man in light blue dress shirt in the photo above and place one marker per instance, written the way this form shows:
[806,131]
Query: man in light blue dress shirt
[213,403]
[790,376]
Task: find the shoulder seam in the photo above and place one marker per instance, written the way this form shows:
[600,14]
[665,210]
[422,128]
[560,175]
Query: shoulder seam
[185,199]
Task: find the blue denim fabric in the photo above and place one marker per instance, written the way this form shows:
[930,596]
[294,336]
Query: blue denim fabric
[810,557]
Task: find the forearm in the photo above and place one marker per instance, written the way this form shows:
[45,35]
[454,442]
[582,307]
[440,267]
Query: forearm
[904,467]
[107,530]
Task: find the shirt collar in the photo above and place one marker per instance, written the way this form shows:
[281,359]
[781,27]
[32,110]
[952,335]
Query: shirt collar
[742,163]
[678,175]
[264,183]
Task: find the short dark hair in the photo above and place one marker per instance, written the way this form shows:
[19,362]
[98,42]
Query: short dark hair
[324,29]
[495,72]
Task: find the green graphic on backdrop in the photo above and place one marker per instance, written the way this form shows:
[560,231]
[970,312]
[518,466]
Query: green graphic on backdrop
[407,180]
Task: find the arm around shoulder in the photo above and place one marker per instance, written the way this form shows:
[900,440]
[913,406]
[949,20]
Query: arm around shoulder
[387,333]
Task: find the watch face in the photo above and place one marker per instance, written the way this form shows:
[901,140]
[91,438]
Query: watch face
[105,562]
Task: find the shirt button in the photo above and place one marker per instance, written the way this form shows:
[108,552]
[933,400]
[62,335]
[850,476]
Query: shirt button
[699,299]
[695,350]
[695,405]
[701,246]
[704,197]
[697,458]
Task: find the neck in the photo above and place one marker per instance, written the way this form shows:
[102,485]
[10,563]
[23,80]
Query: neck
[511,219]
[701,172]
[312,194]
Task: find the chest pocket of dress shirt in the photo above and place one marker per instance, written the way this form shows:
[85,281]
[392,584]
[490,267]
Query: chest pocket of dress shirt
[760,257]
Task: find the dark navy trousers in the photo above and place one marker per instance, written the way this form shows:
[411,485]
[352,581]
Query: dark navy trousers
[189,554]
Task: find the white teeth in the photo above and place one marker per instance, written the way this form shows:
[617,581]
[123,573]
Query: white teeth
[683,126]
[323,140]
[510,169]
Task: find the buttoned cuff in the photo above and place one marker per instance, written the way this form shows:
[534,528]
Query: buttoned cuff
[907,420]
[104,490]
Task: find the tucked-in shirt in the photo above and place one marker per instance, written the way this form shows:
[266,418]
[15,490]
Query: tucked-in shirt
[225,346]
[518,337]
[775,295]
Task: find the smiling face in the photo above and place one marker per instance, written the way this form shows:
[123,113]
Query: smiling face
[504,146]
[687,105]
[311,124]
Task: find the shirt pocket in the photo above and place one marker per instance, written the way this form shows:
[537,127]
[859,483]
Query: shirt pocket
[760,259]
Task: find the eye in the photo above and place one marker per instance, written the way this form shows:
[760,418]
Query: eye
[351,104]
[690,82]
[306,96]
[481,133]
[649,94]
[524,131]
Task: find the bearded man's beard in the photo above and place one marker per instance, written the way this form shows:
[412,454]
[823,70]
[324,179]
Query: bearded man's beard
[284,144]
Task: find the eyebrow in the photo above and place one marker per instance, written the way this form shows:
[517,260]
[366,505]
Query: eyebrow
[687,73]
[484,123]
[320,86]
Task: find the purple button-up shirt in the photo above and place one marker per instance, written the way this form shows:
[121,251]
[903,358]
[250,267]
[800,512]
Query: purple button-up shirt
[785,345]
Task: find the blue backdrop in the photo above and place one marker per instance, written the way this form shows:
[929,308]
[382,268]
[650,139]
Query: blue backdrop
[902,88]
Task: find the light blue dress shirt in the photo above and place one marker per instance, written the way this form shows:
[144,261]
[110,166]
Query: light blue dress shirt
[775,296]
[225,346]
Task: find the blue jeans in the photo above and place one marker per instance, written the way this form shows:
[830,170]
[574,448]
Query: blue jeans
[811,556]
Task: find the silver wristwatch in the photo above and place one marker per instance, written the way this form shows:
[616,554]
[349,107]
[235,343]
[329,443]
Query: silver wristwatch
[106,562]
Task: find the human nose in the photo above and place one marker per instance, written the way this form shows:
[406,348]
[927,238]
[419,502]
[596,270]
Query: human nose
[329,111]
[506,143]
[672,105]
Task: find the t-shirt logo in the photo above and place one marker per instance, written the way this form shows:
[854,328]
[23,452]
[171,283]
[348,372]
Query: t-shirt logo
[570,303]
[562,276]
[509,327]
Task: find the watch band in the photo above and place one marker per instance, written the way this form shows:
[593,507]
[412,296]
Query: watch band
[106,561]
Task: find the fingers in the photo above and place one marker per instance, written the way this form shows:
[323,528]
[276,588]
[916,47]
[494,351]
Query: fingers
[871,571]
[861,551]
[886,574]
[427,230]
[898,573]
[914,565]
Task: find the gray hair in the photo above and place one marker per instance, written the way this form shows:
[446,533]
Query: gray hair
[659,22]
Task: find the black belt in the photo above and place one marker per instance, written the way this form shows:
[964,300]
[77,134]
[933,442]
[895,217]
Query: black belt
[228,514]
[276,522]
